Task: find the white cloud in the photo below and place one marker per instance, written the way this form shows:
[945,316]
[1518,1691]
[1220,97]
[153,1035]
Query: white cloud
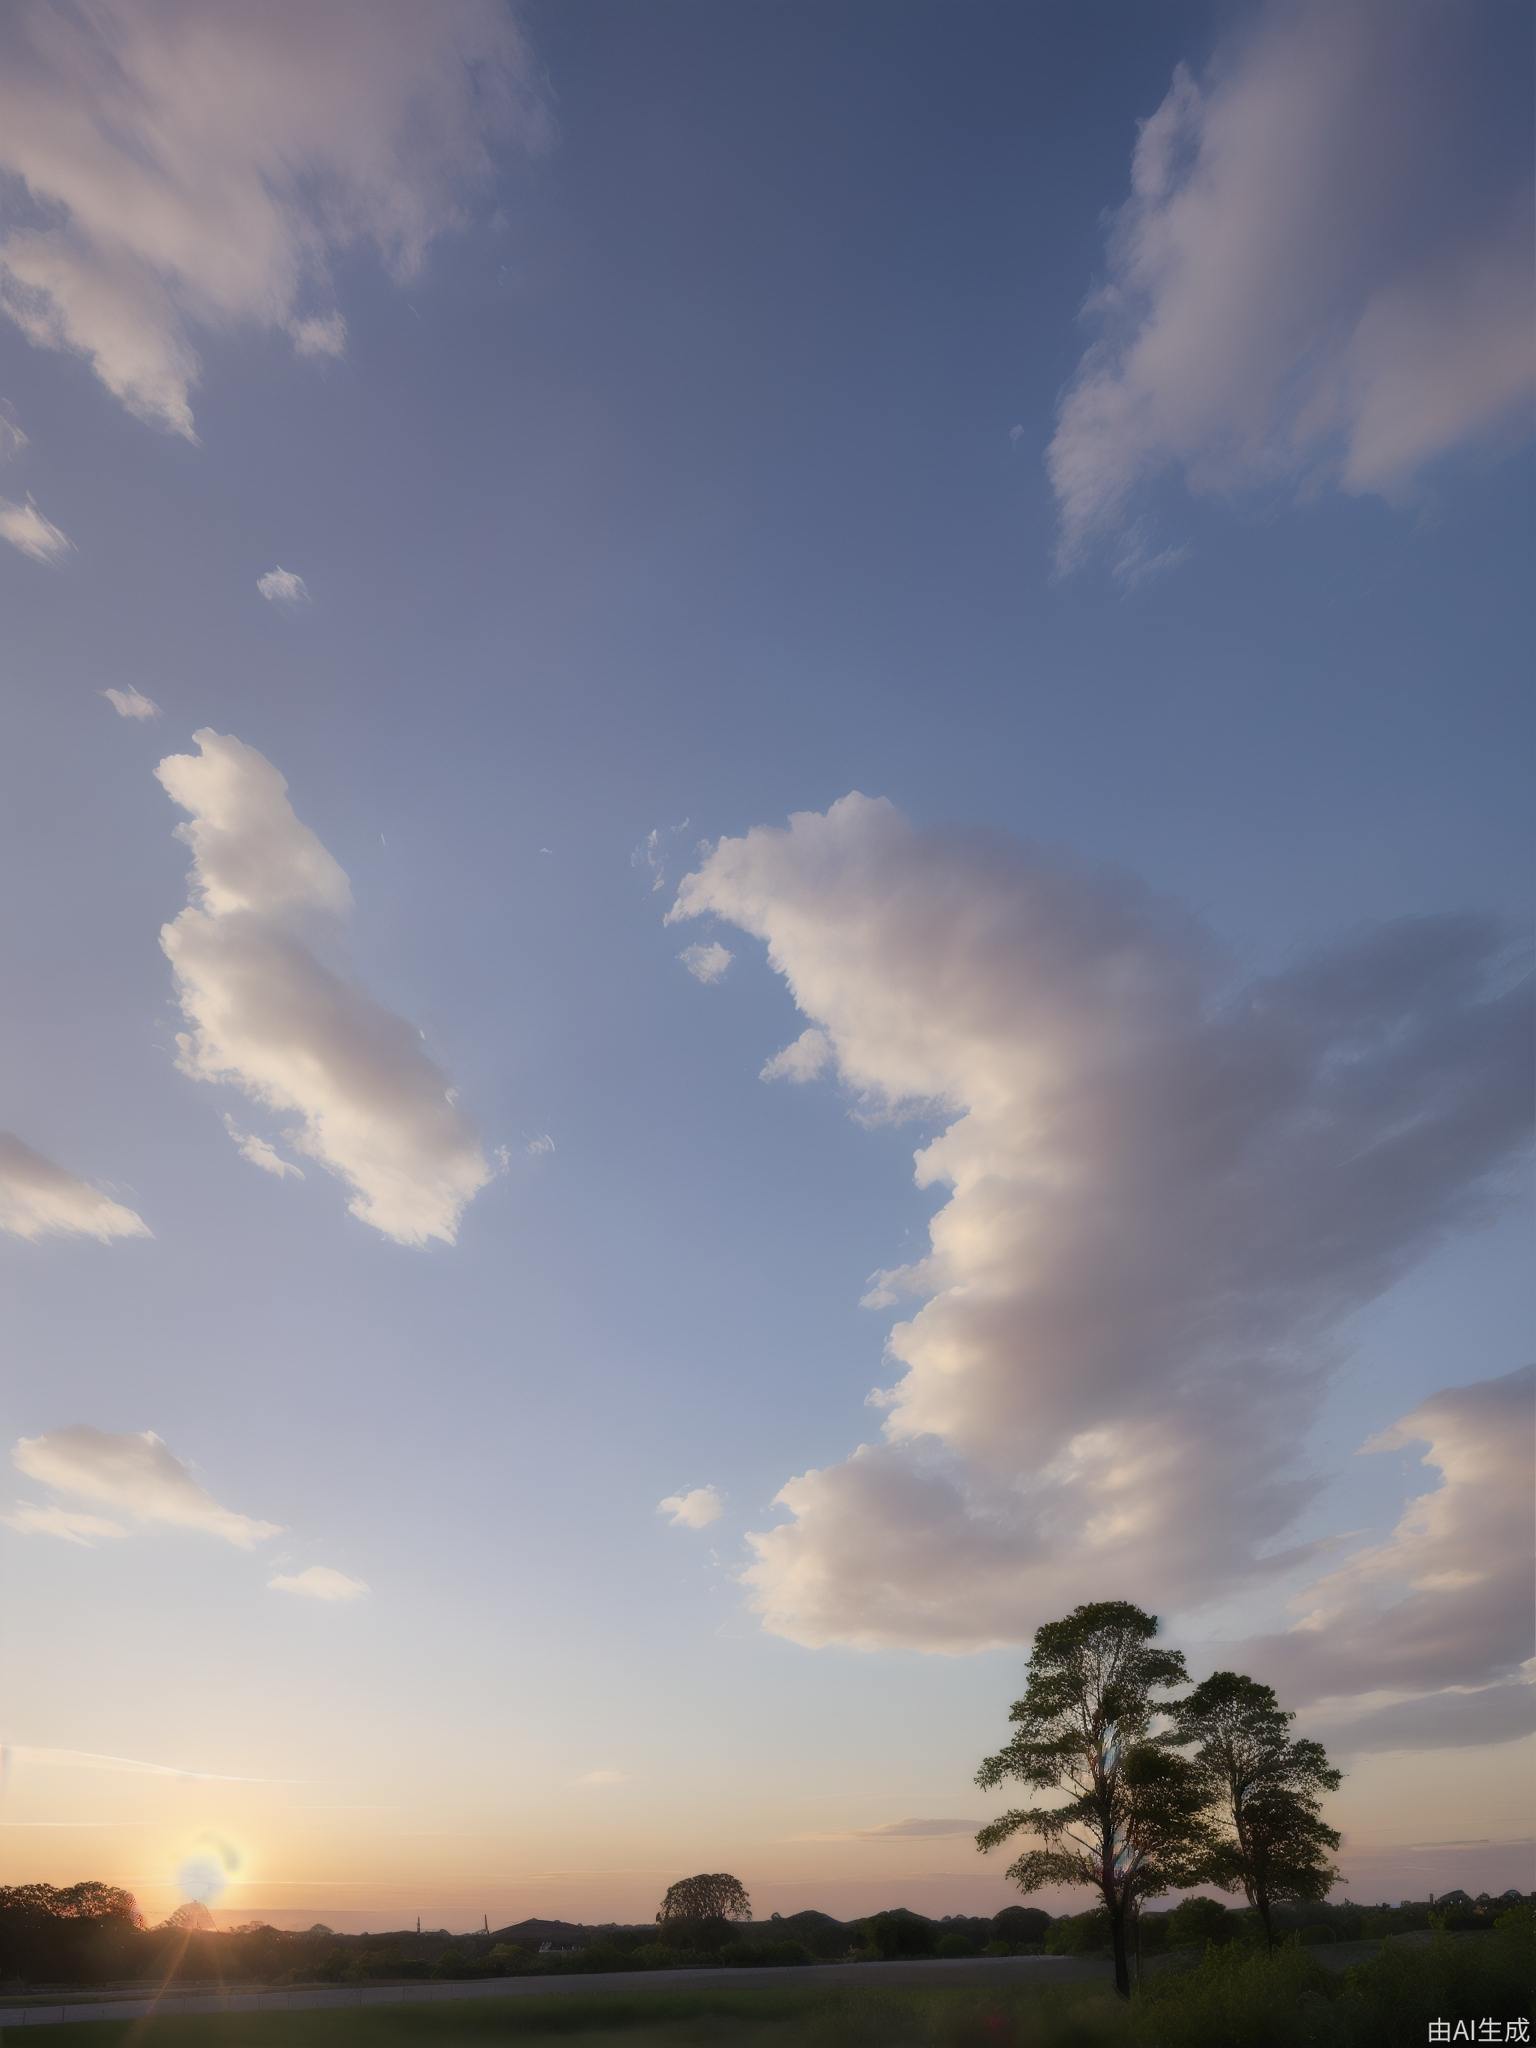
[1314,279]
[131,703]
[187,169]
[137,1473]
[70,1525]
[801,1060]
[39,1199]
[284,588]
[706,963]
[261,1154]
[601,1778]
[540,1147]
[268,1016]
[1448,1599]
[91,1760]
[26,528]
[320,337]
[695,1509]
[1164,1190]
[318,1582]
[653,852]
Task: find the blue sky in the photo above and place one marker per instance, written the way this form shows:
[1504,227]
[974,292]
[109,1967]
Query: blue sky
[712,453]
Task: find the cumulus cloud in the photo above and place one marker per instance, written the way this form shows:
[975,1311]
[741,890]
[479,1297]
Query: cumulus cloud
[801,1060]
[191,167]
[39,1199]
[131,703]
[1164,1189]
[283,587]
[695,1509]
[70,1525]
[26,528]
[318,1582]
[137,1473]
[706,963]
[1321,275]
[267,1015]
[261,1154]
[1448,1599]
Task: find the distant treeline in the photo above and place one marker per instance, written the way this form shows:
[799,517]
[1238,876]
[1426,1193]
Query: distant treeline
[93,1934]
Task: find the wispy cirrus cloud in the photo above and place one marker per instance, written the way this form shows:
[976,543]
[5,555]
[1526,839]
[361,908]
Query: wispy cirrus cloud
[284,588]
[40,1199]
[131,703]
[137,1473]
[268,1016]
[92,1760]
[261,1154]
[1165,1187]
[69,1525]
[319,1582]
[139,225]
[1321,275]
[35,536]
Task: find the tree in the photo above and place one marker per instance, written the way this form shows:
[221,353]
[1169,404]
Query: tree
[701,1909]
[1196,1922]
[1271,1842]
[900,1933]
[1020,1923]
[1131,1823]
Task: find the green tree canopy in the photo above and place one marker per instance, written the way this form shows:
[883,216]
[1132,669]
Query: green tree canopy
[1265,1789]
[1130,1824]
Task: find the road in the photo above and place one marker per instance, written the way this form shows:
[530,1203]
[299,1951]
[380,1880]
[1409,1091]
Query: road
[981,1970]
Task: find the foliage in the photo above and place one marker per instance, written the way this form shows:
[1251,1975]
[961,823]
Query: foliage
[1195,1922]
[1079,1934]
[1451,1976]
[1271,1842]
[1020,1923]
[1131,1823]
[702,1909]
[900,1933]
[1237,1998]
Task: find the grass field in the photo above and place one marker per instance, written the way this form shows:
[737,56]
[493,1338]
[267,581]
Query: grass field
[656,2019]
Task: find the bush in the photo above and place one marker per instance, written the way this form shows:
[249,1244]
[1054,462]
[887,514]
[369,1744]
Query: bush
[1453,1977]
[956,1946]
[1235,1998]
[1078,1934]
[1194,1922]
[757,1955]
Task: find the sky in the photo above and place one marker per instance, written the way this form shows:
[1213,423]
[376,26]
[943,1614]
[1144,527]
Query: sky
[768,816]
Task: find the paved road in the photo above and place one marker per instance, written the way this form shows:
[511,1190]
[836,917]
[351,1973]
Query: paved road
[993,1970]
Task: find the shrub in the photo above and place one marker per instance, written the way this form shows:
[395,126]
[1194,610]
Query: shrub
[757,1955]
[1239,1998]
[955,1946]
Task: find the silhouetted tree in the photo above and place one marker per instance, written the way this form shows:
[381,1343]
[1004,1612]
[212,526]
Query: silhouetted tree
[1194,1922]
[1265,1789]
[1131,1824]
[701,1909]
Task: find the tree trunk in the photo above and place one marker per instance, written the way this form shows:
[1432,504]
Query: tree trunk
[1269,1933]
[1117,1943]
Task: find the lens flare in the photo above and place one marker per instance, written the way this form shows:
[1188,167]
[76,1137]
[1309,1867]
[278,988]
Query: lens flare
[204,1873]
